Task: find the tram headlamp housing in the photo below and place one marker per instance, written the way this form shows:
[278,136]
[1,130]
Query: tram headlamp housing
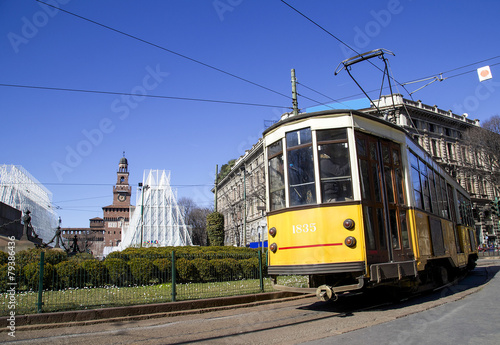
[349,224]
[272,231]
[273,247]
[350,241]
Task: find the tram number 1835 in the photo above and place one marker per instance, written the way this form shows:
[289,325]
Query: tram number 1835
[303,228]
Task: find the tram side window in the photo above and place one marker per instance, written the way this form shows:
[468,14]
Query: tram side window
[276,176]
[334,165]
[453,215]
[444,204]
[415,176]
[465,209]
[424,178]
[300,167]
[432,186]
[428,187]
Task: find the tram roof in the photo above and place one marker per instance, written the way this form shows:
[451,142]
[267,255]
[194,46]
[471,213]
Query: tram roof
[350,112]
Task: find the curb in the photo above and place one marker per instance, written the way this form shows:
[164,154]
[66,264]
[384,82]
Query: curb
[147,311]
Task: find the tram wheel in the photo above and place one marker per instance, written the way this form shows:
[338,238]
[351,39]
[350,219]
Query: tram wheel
[442,275]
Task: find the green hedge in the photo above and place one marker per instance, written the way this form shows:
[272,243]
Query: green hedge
[68,274]
[118,271]
[142,270]
[4,258]
[163,269]
[32,273]
[133,266]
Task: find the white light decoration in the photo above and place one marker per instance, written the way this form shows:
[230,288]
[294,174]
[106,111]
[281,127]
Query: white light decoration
[157,215]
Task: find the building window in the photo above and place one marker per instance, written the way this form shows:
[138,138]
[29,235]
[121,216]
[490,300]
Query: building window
[450,151]
[464,155]
[434,147]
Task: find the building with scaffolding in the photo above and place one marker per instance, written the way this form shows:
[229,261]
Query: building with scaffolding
[158,221]
[20,190]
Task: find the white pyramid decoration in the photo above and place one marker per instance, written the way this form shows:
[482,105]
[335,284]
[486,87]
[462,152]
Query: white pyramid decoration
[157,215]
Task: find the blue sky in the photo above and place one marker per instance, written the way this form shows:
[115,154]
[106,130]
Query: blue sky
[72,141]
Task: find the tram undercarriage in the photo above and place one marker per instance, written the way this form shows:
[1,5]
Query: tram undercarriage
[401,275]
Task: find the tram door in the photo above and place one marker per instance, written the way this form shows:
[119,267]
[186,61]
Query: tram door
[383,199]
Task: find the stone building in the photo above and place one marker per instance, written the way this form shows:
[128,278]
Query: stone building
[440,132]
[241,199]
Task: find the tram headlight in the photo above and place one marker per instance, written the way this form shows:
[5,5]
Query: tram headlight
[350,242]
[272,231]
[349,224]
[273,247]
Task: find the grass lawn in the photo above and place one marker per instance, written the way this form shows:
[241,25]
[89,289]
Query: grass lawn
[93,298]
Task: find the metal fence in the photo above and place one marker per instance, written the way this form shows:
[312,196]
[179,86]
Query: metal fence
[29,286]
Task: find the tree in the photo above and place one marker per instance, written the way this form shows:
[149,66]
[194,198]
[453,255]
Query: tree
[493,124]
[484,152]
[196,218]
[225,169]
[215,229]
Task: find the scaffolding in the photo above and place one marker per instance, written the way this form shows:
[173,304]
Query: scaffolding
[158,220]
[19,189]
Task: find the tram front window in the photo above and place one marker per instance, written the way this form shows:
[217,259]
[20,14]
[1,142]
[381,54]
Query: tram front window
[335,170]
[300,167]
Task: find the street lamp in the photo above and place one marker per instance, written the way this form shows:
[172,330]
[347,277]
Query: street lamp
[142,211]
[244,207]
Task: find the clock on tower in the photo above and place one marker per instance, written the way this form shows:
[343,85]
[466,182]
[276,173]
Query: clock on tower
[122,190]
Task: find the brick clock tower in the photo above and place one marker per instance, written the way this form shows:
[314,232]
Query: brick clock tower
[116,216]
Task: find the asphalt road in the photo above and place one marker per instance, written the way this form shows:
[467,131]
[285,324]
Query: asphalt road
[461,314]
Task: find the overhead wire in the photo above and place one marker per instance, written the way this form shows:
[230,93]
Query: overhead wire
[185,57]
[141,95]
[225,72]
[471,71]
[322,94]
[426,78]
[338,39]
[454,69]
[105,184]
[164,49]
[177,54]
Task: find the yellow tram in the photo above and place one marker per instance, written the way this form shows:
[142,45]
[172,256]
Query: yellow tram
[353,202]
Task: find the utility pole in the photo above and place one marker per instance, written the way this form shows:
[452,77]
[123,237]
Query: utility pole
[244,207]
[216,180]
[142,211]
[295,104]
